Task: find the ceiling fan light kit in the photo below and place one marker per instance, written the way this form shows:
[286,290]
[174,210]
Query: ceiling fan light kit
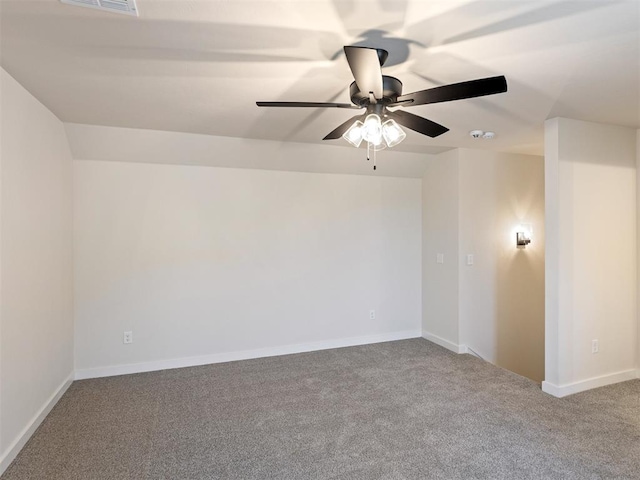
[379,126]
[375,132]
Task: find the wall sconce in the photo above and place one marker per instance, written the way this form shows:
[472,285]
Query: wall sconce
[523,235]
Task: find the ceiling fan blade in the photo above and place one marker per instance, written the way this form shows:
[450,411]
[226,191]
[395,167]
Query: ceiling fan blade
[455,91]
[339,131]
[417,124]
[307,104]
[365,66]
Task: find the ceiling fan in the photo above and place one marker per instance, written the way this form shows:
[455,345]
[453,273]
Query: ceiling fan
[376,93]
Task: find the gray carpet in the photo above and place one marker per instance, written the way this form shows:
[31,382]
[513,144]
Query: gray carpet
[397,410]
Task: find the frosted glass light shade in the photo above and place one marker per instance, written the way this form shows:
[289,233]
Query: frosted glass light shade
[372,130]
[378,147]
[525,228]
[392,133]
[354,134]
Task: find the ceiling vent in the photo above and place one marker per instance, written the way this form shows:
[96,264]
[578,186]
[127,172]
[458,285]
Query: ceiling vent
[128,7]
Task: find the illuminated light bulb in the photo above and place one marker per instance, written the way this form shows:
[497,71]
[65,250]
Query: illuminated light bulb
[354,134]
[372,130]
[392,133]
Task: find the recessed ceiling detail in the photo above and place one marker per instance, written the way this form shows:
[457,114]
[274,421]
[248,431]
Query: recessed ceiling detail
[127,7]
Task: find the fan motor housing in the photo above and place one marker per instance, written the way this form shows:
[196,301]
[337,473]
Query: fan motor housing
[391,89]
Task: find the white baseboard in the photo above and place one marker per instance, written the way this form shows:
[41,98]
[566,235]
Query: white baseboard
[551,389]
[24,436]
[576,387]
[241,355]
[454,347]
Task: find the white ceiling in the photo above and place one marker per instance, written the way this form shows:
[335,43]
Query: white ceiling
[199,66]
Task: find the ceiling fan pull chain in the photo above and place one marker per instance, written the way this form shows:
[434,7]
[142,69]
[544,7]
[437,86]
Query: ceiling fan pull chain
[368,145]
[374,158]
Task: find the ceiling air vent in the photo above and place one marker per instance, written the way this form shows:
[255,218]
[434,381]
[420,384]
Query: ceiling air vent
[127,7]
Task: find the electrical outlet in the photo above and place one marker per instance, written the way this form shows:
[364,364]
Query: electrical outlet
[440,258]
[128,337]
[470,259]
[594,346]
[372,314]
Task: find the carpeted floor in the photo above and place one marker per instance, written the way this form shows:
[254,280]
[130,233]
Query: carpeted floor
[397,410]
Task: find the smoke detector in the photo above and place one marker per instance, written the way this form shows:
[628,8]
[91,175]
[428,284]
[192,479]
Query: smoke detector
[481,134]
[128,7]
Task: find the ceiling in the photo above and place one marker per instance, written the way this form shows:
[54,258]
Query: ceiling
[199,66]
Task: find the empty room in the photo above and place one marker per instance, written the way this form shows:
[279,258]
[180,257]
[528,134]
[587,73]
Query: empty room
[323,239]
